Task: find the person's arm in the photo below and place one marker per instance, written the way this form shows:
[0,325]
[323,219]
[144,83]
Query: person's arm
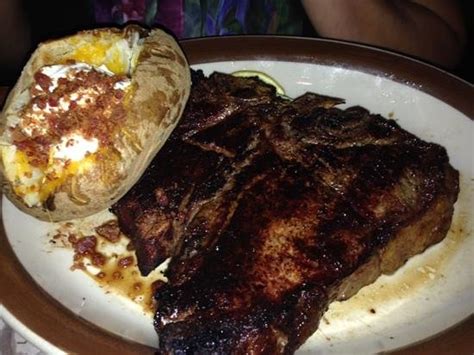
[14,34]
[429,29]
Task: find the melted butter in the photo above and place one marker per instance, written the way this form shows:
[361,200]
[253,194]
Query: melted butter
[127,281]
[111,50]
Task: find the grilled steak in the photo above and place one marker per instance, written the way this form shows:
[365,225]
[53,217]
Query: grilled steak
[272,208]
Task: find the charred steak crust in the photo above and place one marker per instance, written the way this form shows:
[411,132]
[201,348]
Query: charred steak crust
[270,209]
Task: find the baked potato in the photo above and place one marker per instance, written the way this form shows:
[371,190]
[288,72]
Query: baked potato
[86,117]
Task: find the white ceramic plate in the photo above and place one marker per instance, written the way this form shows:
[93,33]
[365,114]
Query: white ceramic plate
[432,292]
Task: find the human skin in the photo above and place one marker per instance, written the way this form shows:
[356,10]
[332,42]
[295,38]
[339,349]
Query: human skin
[431,30]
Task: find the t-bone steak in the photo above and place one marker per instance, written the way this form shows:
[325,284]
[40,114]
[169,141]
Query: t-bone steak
[271,208]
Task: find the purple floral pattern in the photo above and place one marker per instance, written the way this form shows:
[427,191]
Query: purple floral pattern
[195,18]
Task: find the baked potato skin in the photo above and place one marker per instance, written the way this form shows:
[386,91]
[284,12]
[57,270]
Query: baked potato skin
[160,85]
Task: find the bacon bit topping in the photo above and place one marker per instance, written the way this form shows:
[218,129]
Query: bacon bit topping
[43,81]
[109,230]
[98,259]
[53,101]
[85,245]
[72,239]
[78,265]
[125,262]
[88,104]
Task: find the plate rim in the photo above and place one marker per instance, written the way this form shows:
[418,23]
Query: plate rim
[408,71]
[37,310]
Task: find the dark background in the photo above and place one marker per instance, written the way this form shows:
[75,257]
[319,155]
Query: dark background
[55,18]
[464,69]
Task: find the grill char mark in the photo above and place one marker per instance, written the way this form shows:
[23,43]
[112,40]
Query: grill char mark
[271,209]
